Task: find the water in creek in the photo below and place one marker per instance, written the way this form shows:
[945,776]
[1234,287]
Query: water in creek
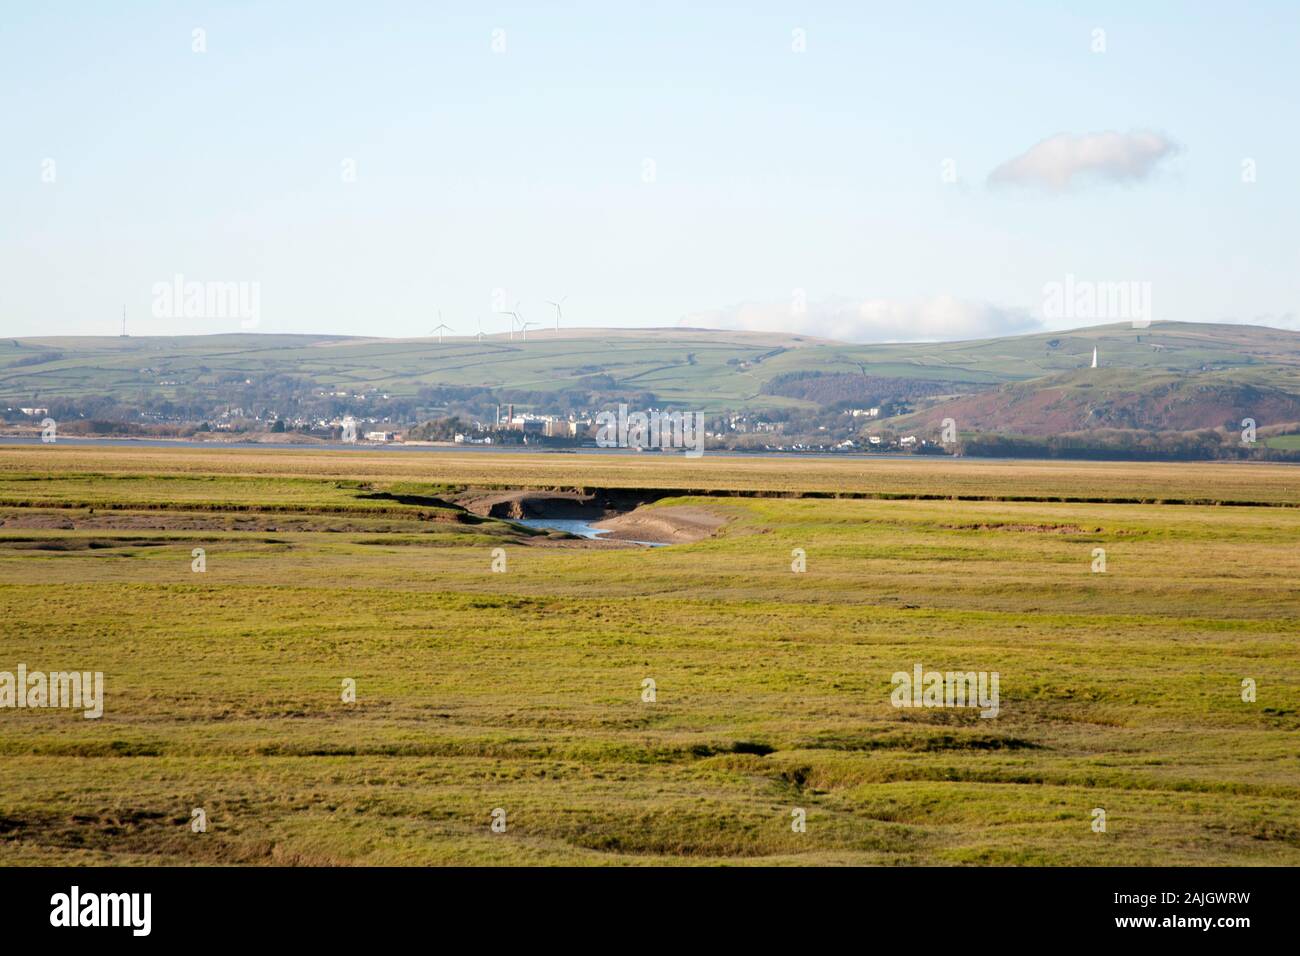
[576,526]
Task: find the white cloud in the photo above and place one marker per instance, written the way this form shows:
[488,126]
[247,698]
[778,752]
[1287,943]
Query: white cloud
[941,318]
[1060,162]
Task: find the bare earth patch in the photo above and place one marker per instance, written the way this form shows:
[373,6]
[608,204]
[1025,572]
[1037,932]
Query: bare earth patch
[1037,528]
[671,524]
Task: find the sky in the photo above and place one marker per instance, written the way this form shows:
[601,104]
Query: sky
[863,171]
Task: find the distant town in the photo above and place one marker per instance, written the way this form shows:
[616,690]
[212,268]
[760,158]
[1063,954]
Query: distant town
[839,431]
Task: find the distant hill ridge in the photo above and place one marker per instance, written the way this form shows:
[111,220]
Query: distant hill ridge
[1169,375]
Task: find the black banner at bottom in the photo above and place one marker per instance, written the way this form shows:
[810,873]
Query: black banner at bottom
[334,906]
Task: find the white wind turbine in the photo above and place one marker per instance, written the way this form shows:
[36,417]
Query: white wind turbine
[440,327]
[478,336]
[558,313]
[514,319]
[525,326]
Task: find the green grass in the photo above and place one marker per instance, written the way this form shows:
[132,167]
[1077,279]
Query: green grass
[68,473]
[522,690]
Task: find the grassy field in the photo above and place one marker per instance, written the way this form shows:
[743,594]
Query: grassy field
[523,691]
[159,474]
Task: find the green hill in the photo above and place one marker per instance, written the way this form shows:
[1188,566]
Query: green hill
[708,370]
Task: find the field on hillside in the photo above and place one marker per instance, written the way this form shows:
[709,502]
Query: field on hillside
[709,370]
[523,691]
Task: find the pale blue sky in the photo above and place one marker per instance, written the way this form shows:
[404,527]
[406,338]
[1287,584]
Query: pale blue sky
[523,170]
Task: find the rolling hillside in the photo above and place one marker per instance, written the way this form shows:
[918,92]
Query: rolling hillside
[1116,398]
[1192,372]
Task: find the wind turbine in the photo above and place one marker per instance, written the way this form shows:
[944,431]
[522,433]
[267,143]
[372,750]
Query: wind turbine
[440,327]
[514,318]
[558,313]
[479,334]
[524,326]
